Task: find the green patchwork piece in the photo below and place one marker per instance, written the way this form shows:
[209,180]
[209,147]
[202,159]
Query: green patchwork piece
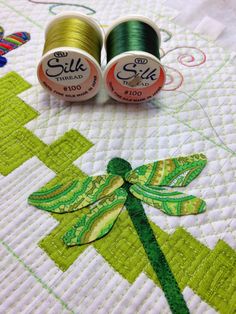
[60,155]
[18,144]
[188,258]
[183,249]
[192,263]
[215,278]
[12,84]
[62,255]
[123,250]
[14,113]
[13,151]
[65,175]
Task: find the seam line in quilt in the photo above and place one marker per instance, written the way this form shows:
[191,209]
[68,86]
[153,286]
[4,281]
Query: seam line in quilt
[37,278]
[190,98]
[206,137]
[206,80]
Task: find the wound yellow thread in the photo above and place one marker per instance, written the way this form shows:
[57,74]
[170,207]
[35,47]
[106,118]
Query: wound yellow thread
[72,32]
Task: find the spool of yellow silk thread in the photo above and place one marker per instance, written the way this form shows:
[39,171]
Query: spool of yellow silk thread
[70,66]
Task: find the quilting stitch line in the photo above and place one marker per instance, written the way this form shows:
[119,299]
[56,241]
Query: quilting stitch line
[38,279]
[21,14]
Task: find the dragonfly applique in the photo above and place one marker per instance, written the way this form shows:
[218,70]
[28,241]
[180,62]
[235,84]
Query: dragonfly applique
[103,197]
[11,42]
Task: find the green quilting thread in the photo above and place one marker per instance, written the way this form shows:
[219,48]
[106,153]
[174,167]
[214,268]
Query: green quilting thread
[134,72]
[70,67]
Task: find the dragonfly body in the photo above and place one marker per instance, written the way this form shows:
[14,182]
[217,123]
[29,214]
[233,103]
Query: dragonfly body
[121,167]
[147,237]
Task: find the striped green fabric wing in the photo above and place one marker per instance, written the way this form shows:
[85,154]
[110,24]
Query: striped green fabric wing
[171,202]
[178,171]
[99,220]
[75,195]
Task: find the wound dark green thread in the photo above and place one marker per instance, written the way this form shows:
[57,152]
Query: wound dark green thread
[132,36]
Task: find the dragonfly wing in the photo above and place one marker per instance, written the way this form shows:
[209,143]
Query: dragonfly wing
[171,172]
[99,220]
[171,202]
[75,195]
[13,41]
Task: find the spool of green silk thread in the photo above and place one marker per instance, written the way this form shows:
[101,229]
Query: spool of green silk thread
[134,72]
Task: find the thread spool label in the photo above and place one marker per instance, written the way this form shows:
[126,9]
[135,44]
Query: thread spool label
[134,78]
[69,75]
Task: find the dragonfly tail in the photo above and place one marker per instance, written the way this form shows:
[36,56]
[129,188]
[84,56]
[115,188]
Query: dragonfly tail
[156,256]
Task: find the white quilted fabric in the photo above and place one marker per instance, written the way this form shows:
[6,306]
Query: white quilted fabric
[197,117]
